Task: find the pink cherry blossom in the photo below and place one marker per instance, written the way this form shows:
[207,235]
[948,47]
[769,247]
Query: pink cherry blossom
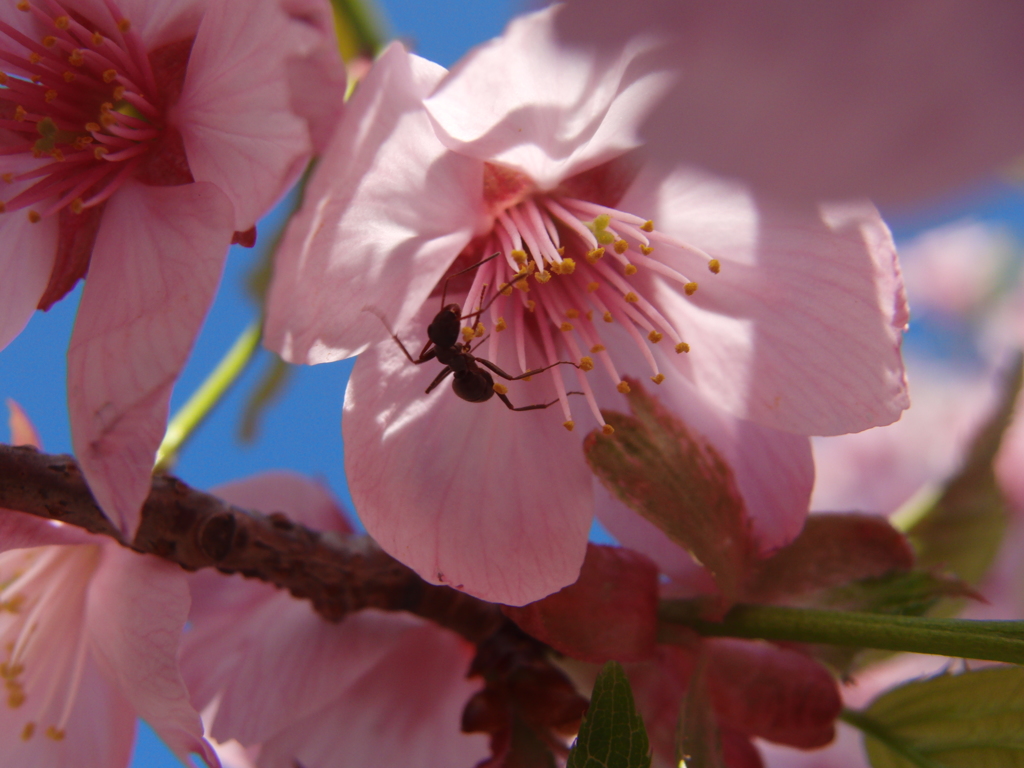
[137,137]
[897,101]
[527,152]
[89,633]
[283,687]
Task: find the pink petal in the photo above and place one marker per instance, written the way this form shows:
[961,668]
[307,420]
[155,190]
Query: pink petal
[898,102]
[156,22]
[23,431]
[234,114]
[154,271]
[610,612]
[136,611]
[404,712]
[26,260]
[304,500]
[385,215]
[19,530]
[524,101]
[472,495]
[801,330]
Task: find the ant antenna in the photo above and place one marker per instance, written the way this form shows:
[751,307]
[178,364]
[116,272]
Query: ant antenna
[444,291]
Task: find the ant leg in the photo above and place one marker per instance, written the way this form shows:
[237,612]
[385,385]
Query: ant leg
[444,291]
[508,377]
[438,379]
[425,354]
[537,407]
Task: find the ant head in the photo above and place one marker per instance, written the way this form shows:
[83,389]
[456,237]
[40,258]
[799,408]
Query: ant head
[444,330]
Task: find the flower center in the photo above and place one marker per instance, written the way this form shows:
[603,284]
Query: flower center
[83,108]
[42,637]
[568,267]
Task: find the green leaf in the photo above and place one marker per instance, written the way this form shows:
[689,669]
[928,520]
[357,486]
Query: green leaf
[676,479]
[972,720]
[963,529]
[698,744]
[612,734]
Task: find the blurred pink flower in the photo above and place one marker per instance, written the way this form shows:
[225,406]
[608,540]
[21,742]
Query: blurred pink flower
[282,687]
[89,632]
[527,152]
[136,138]
[896,101]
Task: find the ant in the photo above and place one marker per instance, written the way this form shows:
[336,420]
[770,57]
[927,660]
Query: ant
[471,382]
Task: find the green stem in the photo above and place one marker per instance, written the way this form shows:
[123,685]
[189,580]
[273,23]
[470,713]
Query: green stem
[960,638]
[877,731]
[208,395]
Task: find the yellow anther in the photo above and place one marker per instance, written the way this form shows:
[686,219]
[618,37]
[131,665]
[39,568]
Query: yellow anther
[690,288]
[604,237]
[608,317]
[107,120]
[658,379]
[82,142]
[681,347]
[647,226]
[468,333]
[34,57]
[99,152]
[20,113]
[531,305]
[569,425]
[119,92]
[3,207]
[69,76]
[568,266]
[527,378]
[76,205]
[23,5]
[565,326]
[629,269]
[631,297]
[34,217]
[598,348]
[55,733]
[109,76]
[76,58]
[714,266]
[50,96]
[621,246]
[542,277]
[655,337]
[518,256]
[623,387]
[15,695]
[607,429]
[57,155]
[8,177]
[27,731]
[36,79]
[506,291]
[479,330]
[602,221]
[97,39]
[62,22]
[49,41]
[93,127]
[500,325]
[124,25]
[646,250]
[586,363]
[594,255]
[592,287]
[500,388]
[522,285]
[10,671]
[3,78]
[561,251]
[572,314]
[590,314]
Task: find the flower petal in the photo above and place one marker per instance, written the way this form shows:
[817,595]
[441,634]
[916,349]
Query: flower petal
[406,711]
[154,271]
[26,260]
[234,114]
[385,215]
[303,499]
[525,101]
[136,611]
[801,330]
[492,502]
[898,102]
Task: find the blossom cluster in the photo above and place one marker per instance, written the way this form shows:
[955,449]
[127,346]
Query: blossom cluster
[645,264]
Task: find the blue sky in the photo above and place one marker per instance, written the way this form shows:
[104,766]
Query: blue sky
[303,431]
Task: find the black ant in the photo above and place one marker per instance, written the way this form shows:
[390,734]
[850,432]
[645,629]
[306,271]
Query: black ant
[471,382]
